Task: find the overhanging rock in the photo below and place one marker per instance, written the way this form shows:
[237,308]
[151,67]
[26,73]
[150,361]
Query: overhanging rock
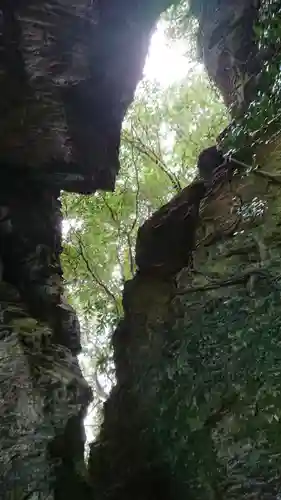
[67,77]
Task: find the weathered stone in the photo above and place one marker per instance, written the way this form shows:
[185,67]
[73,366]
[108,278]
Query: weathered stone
[226,40]
[68,74]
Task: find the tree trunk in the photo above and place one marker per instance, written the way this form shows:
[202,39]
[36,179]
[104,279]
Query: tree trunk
[195,412]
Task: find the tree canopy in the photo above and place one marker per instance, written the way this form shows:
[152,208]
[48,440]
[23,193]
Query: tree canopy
[164,131]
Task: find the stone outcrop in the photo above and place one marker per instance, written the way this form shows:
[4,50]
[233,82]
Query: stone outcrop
[197,353]
[229,49]
[68,72]
[192,353]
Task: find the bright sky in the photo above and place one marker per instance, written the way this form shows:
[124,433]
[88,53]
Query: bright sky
[166,61]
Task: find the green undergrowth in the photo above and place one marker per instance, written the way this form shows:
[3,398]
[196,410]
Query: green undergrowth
[213,397]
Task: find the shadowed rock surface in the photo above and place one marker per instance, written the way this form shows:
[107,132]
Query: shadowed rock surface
[68,72]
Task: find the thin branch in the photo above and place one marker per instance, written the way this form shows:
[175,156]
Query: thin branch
[96,277]
[219,234]
[117,223]
[137,194]
[235,280]
[73,263]
[130,231]
[143,149]
[102,394]
[275,178]
[161,164]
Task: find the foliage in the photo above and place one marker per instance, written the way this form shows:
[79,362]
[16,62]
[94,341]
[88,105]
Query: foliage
[163,133]
[262,118]
[215,394]
[181,24]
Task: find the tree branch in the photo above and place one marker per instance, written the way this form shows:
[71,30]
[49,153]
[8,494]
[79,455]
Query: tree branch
[96,277]
[143,149]
[235,280]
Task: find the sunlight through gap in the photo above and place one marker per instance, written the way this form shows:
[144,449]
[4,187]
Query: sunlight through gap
[167,60]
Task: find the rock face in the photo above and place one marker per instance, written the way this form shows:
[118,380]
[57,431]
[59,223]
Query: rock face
[68,73]
[226,40]
[193,347]
[201,323]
